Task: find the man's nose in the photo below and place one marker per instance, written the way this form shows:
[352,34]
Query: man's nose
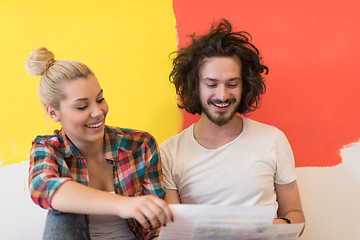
[222,93]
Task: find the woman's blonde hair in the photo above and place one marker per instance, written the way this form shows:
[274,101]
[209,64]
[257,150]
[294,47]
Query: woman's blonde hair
[53,72]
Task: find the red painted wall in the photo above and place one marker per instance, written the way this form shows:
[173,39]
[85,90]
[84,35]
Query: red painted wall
[312,51]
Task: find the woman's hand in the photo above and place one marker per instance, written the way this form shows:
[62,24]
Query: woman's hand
[150,211]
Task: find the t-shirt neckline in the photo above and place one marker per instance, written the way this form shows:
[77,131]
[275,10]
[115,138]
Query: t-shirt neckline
[223,146]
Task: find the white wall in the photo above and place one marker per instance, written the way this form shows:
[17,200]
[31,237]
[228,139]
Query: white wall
[330,197]
[20,218]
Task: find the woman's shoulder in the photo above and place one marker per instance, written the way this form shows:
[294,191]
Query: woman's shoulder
[43,144]
[129,138]
[53,139]
[127,132]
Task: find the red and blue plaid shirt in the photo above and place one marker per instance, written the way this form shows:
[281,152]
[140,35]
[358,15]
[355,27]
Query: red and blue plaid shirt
[133,154]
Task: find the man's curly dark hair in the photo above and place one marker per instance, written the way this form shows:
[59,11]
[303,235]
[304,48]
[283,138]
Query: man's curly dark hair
[219,42]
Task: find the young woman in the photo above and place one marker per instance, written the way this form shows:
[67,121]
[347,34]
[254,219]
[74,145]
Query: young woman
[97,181]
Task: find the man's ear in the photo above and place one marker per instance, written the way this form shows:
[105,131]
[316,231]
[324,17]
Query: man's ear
[53,113]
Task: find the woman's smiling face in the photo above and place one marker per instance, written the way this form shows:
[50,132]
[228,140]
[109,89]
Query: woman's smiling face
[83,111]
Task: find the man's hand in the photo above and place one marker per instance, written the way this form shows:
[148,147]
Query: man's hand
[279,221]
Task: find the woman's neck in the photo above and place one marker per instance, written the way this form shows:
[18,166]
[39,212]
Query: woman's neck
[91,149]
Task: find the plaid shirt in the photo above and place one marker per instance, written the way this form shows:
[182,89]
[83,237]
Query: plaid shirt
[133,154]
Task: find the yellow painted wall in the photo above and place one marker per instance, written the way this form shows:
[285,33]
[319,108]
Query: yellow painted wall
[125,43]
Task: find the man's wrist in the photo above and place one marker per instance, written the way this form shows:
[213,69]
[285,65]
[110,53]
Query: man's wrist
[285,219]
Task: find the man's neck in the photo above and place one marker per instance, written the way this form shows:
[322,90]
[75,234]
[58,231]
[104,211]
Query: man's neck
[212,136]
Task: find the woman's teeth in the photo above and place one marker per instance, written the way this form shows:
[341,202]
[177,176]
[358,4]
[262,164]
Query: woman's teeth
[94,125]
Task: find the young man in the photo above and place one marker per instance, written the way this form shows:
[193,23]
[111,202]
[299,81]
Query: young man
[225,158]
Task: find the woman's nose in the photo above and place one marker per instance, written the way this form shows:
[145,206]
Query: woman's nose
[96,111]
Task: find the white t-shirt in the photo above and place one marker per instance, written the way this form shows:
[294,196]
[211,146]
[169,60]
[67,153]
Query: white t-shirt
[242,172]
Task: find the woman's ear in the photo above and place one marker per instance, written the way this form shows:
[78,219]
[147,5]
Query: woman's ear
[53,113]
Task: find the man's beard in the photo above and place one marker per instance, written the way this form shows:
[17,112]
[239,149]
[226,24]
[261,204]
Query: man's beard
[221,120]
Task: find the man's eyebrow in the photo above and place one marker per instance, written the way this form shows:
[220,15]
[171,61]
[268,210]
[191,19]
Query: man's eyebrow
[215,80]
[210,79]
[234,79]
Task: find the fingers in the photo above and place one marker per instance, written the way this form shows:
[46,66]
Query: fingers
[156,211]
[149,211]
[156,215]
[165,208]
[142,220]
[151,216]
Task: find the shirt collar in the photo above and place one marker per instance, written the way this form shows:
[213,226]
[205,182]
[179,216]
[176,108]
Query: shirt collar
[68,148]
[111,144]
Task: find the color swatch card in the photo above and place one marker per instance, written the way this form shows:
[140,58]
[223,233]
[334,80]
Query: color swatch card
[202,222]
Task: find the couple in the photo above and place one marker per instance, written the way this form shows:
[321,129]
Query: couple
[103,182]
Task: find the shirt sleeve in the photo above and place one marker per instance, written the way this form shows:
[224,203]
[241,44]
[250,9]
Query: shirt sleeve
[167,166]
[153,178]
[285,168]
[44,177]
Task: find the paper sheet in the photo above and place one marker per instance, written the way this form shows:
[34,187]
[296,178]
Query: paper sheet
[202,222]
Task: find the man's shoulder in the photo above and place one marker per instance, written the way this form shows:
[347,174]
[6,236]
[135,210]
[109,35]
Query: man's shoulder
[178,138]
[255,127]
[256,124]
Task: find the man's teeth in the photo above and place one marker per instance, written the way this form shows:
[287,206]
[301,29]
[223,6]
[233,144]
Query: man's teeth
[221,104]
[94,125]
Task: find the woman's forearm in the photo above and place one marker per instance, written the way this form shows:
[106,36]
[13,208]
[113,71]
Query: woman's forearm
[73,197]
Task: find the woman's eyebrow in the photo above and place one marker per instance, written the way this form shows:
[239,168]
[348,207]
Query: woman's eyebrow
[84,99]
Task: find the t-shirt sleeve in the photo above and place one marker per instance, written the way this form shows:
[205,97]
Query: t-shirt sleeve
[167,163]
[285,165]
[44,176]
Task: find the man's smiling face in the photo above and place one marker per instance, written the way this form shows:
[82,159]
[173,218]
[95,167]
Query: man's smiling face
[220,88]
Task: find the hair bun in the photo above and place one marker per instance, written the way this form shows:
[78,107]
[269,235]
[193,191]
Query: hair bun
[39,61]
